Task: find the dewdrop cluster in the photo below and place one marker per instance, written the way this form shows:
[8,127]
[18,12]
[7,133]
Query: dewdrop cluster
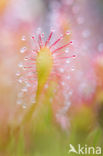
[49,60]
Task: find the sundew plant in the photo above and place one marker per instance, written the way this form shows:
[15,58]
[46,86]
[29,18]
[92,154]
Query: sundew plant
[46,67]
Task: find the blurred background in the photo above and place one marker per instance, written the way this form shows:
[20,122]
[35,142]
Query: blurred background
[50,134]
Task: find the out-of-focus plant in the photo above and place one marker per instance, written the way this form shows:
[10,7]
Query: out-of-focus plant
[3,4]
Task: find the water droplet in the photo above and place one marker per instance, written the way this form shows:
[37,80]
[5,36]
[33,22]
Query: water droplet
[19,102]
[23,49]
[23,38]
[25,80]
[61,35]
[20,80]
[63,83]
[25,58]
[73,42]
[67,61]
[74,56]
[68,77]
[18,73]
[68,32]
[24,89]
[72,69]
[67,50]
[20,65]
[33,37]
[28,85]
[61,70]
[24,106]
